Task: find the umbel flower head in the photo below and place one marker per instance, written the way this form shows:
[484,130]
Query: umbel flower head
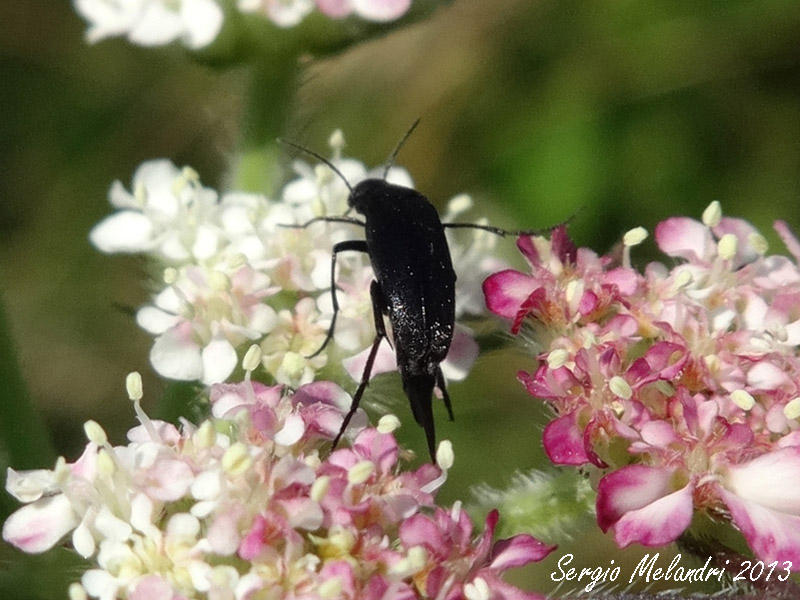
[682,383]
[234,274]
[197,23]
[249,504]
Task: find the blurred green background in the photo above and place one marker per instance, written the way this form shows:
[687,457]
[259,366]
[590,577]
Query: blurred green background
[612,114]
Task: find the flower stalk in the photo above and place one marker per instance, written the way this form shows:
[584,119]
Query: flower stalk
[25,436]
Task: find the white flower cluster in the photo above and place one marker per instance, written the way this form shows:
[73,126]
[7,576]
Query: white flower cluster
[221,510]
[197,23]
[153,22]
[250,504]
[234,274]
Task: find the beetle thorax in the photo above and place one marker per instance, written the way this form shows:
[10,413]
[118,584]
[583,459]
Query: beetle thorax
[368,192]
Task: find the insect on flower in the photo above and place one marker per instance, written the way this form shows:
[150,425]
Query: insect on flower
[414,284]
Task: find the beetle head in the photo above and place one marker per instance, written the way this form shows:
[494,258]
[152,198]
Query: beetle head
[368,191]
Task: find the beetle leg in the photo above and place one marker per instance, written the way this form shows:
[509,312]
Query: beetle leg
[380,333]
[445,396]
[351,220]
[358,245]
[504,232]
[496,230]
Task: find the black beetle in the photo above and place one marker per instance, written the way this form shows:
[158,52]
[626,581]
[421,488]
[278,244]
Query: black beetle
[414,285]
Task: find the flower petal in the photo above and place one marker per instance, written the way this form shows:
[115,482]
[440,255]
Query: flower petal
[563,442]
[507,290]
[219,360]
[770,480]
[767,376]
[381,10]
[501,590]
[29,486]
[385,361]
[293,429]
[518,551]
[462,355]
[773,535]
[421,530]
[154,320]
[636,501]
[37,527]
[202,21]
[126,231]
[685,238]
[630,488]
[335,9]
[151,587]
[788,238]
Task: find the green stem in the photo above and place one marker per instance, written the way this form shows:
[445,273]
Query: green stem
[272,88]
[24,438]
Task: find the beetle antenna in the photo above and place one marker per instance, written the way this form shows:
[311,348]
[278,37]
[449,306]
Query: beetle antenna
[393,155]
[322,159]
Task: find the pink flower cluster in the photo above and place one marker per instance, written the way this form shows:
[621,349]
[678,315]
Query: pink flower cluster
[247,505]
[681,383]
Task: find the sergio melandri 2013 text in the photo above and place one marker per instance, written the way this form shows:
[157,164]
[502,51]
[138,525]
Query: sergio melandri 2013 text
[648,569]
